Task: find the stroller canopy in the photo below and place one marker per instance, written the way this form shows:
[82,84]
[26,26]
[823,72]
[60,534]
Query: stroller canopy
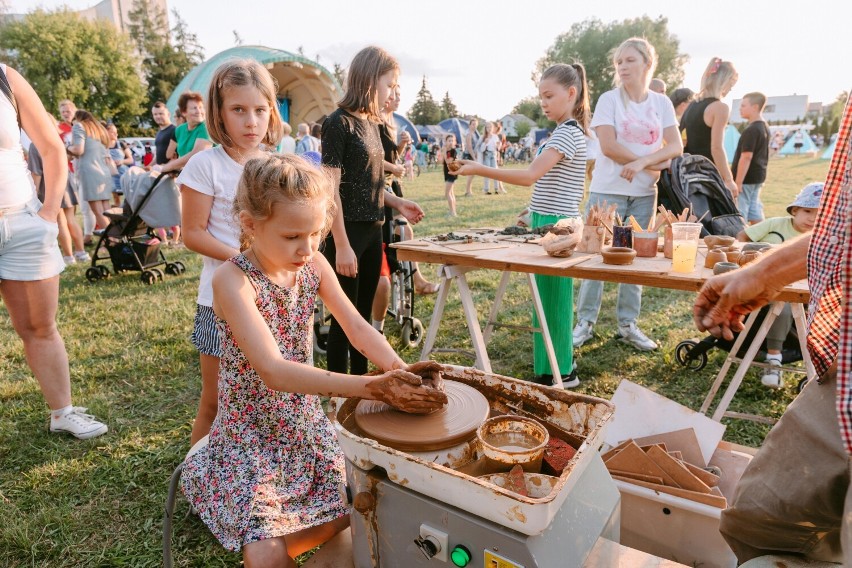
[163,208]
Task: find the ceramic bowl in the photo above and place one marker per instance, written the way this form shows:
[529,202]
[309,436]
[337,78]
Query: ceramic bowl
[723,267]
[618,255]
[759,247]
[718,240]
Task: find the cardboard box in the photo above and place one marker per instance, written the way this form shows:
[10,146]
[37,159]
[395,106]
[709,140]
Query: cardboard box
[656,522]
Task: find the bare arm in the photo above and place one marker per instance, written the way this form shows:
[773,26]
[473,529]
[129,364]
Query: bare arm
[42,131]
[672,148]
[726,299]
[394,169]
[346,263]
[195,214]
[171,151]
[409,209]
[610,146]
[128,158]
[742,236]
[234,301]
[742,169]
[718,117]
[526,177]
[179,163]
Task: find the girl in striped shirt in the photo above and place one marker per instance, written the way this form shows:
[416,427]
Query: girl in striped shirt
[558,173]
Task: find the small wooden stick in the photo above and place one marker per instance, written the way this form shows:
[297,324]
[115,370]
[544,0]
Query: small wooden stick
[702,217]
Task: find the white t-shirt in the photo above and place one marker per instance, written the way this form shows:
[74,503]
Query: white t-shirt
[639,128]
[212,172]
[560,190]
[18,185]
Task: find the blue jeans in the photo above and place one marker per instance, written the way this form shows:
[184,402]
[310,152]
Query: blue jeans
[629,301]
[748,202]
[489,159]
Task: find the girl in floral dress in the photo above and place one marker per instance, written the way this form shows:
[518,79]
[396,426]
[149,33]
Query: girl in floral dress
[267,481]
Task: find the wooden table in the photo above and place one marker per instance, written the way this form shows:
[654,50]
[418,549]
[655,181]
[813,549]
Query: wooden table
[513,255]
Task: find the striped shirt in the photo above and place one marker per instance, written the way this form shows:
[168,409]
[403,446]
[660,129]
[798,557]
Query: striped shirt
[830,278]
[560,190]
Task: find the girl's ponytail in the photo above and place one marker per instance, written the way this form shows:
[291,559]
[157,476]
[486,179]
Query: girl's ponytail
[583,109]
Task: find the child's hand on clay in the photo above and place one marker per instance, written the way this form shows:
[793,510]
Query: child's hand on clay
[430,373]
[404,391]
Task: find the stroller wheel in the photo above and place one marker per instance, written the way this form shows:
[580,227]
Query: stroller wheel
[412,333]
[158,273]
[93,274]
[104,271]
[320,339]
[802,382]
[180,266]
[682,351]
[172,269]
[148,277]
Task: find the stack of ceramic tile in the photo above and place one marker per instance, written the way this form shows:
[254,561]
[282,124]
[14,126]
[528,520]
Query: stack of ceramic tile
[648,463]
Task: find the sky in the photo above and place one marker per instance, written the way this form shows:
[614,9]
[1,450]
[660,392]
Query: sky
[483,51]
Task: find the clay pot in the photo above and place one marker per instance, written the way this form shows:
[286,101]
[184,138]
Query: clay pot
[718,240]
[714,256]
[618,255]
[747,256]
[759,247]
[732,254]
[723,267]
[645,243]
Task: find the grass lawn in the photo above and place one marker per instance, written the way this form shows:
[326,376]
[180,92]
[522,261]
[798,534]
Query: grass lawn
[100,502]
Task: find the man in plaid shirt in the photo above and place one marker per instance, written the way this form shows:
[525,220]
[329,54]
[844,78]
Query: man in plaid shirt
[795,495]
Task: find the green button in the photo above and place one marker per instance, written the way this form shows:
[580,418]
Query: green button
[460,556]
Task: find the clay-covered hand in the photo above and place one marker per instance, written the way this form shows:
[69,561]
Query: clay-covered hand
[430,372]
[405,391]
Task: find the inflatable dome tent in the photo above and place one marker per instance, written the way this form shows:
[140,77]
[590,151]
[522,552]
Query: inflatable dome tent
[307,91]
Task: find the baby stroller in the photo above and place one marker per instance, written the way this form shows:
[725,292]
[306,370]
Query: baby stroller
[401,307]
[694,182]
[692,354]
[128,241]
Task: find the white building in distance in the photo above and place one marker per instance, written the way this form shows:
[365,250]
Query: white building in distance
[117,12]
[786,109]
[510,122]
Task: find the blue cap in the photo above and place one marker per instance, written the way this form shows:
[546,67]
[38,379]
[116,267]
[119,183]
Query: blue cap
[808,197]
[313,157]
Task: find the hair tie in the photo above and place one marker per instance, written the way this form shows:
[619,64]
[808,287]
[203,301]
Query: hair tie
[716,63]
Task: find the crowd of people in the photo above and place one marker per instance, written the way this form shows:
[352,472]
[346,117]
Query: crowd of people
[277,230]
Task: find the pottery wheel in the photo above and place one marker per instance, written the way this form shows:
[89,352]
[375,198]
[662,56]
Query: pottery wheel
[456,422]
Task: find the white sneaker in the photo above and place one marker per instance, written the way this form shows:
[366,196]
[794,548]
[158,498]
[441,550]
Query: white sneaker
[583,332]
[772,376]
[78,424]
[82,256]
[630,333]
[69,260]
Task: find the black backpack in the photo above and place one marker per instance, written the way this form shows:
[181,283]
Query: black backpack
[693,181]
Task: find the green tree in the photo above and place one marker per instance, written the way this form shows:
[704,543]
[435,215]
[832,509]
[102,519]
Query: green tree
[65,56]
[424,110]
[522,128]
[164,62]
[530,107]
[448,107]
[592,42]
[339,74]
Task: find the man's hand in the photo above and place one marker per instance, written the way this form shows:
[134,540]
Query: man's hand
[726,299]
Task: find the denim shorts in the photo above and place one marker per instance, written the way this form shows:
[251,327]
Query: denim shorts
[205,336]
[28,247]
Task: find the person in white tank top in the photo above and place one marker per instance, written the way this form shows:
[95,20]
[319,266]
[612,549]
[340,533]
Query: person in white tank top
[30,261]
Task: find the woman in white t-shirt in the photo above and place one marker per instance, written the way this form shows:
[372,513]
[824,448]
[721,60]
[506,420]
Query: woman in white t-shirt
[637,132]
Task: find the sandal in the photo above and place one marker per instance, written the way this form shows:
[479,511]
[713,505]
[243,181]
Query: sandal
[427,288]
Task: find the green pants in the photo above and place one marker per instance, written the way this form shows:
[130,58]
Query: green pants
[557,300]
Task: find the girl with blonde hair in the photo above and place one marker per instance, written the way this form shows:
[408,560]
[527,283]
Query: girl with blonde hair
[638,136]
[243,118]
[706,118]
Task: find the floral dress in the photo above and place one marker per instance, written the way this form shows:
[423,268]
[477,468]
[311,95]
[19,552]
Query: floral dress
[273,465]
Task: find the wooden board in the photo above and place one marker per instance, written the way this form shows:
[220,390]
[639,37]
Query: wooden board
[476,246]
[707,499]
[677,471]
[683,441]
[634,460]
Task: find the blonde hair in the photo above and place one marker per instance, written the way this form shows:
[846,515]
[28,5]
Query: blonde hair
[92,127]
[362,81]
[716,77]
[573,76]
[281,177]
[242,73]
[648,53]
